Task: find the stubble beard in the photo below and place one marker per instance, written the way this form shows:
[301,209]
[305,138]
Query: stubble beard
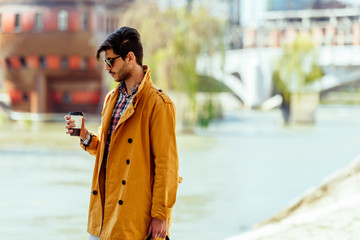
[125,75]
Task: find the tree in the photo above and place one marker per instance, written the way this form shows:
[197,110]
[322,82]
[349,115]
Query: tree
[173,39]
[296,70]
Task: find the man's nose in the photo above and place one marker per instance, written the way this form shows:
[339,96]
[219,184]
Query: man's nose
[107,67]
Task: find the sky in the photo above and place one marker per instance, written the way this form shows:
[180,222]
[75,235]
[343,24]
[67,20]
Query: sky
[252,10]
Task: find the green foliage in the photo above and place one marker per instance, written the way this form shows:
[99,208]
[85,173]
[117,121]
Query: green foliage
[211,111]
[297,67]
[173,39]
[211,85]
[206,115]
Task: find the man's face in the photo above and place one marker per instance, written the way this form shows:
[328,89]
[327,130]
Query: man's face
[120,70]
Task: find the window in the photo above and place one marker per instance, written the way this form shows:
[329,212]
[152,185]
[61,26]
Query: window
[25,97]
[85,21]
[66,98]
[8,63]
[83,63]
[42,62]
[39,23]
[17,23]
[63,20]
[64,62]
[23,62]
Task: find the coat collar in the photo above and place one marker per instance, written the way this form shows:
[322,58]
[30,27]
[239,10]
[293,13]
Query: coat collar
[145,84]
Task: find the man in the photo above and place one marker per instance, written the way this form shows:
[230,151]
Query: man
[135,176]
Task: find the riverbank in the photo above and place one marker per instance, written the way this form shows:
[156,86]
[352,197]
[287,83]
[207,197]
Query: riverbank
[329,211]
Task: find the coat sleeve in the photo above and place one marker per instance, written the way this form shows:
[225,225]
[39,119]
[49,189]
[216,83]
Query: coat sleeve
[164,151]
[95,139]
[93,147]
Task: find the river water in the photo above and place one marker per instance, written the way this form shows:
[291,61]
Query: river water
[238,172]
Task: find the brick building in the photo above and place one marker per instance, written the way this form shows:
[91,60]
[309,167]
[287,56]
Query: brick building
[48,52]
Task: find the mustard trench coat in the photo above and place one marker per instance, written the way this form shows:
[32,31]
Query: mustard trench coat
[142,166]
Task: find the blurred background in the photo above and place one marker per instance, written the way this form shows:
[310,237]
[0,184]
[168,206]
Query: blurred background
[267,95]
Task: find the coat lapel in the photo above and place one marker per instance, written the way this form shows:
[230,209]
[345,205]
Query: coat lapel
[145,83]
[126,115]
[108,112]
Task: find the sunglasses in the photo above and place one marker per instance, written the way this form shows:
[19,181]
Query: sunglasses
[110,61]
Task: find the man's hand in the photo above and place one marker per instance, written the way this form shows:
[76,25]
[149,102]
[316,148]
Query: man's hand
[157,228]
[71,123]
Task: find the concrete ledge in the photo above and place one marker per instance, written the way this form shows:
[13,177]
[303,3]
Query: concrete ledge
[328,211]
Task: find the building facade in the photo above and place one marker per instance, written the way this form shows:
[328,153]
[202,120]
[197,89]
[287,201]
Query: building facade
[48,53]
[328,27]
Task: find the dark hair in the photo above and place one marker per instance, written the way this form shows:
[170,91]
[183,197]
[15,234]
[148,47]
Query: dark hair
[123,41]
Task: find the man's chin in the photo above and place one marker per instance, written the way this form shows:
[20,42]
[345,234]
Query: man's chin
[118,80]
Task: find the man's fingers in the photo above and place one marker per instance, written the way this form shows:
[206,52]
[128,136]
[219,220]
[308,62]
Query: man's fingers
[158,228]
[149,230]
[158,234]
[69,131]
[154,234]
[70,123]
[83,122]
[70,126]
[162,235]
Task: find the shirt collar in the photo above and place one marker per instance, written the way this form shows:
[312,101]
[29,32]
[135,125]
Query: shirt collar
[122,88]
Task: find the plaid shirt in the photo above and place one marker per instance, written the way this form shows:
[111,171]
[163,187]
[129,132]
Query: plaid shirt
[122,104]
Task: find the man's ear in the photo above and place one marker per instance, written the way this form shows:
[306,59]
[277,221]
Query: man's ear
[132,57]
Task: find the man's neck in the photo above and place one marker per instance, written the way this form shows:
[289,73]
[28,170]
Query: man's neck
[136,77]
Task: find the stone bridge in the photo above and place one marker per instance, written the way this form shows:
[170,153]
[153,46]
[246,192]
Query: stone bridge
[248,72]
